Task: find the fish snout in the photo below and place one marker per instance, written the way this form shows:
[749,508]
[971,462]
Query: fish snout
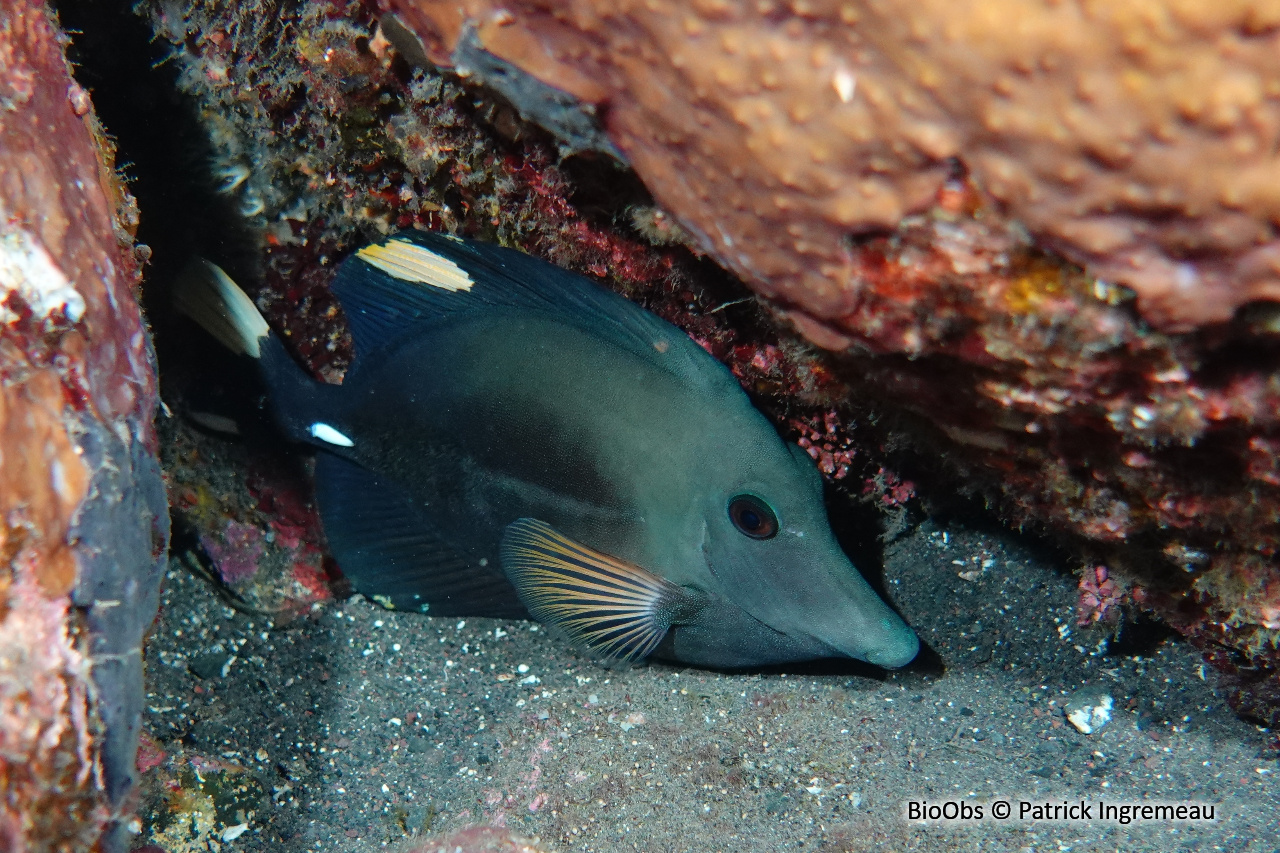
[870,631]
[812,599]
[900,647]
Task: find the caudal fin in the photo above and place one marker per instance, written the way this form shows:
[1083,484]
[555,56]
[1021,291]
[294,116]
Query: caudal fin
[207,295]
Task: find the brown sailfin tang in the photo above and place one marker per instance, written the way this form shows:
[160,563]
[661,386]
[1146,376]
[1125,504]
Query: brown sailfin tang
[512,440]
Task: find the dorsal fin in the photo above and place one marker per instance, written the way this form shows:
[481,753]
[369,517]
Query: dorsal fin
[418,277]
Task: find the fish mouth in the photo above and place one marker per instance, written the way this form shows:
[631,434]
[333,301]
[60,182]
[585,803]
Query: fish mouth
[830,615]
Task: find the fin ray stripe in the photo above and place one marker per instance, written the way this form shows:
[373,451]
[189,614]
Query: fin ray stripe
[565,578]
[561,582]
[565,574]
[611,607]
[577,556]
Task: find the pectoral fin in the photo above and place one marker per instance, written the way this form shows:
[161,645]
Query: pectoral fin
[610,606]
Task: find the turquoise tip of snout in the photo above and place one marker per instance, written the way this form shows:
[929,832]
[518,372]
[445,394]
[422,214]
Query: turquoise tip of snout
[899,648]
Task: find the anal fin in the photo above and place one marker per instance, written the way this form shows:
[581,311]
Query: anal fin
[612,607]
[385,546]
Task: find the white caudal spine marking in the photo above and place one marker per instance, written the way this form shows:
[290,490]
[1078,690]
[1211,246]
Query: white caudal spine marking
[411,262]
[207,295]
[329,435]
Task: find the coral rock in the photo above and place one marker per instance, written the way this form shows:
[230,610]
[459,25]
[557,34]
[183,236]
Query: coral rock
[83,526]
[1137,139]
[47,731]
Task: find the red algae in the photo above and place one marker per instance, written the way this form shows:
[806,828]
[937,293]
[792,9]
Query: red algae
[150,753]
[480,839]
[258,527]
[1100,597]
[235,552]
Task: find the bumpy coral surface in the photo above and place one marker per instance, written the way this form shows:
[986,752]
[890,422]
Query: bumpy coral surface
[47,727]
[82,518]
[1138,138]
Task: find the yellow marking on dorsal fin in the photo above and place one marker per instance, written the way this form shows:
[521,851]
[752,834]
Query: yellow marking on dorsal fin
[411,262]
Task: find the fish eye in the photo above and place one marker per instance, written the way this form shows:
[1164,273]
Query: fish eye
[753,517]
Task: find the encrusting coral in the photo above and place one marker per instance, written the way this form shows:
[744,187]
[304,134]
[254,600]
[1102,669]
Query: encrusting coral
[83,525]
[1136,138]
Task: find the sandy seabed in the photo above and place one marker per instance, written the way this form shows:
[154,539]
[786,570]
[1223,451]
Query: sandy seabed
[361,729]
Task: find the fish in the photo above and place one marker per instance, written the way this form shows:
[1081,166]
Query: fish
[513,440]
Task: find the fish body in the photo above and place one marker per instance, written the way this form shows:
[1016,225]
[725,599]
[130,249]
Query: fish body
[513,440]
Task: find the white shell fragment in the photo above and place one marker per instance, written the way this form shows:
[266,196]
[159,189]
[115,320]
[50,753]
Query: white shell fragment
[231,833]
[1089,710]
[329,435]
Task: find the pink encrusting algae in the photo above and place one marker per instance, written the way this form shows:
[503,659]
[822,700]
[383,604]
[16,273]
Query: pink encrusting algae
[236,552]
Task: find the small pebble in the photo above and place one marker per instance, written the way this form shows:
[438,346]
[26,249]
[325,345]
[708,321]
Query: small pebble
[231,833]
[1089,710]
[212,665]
